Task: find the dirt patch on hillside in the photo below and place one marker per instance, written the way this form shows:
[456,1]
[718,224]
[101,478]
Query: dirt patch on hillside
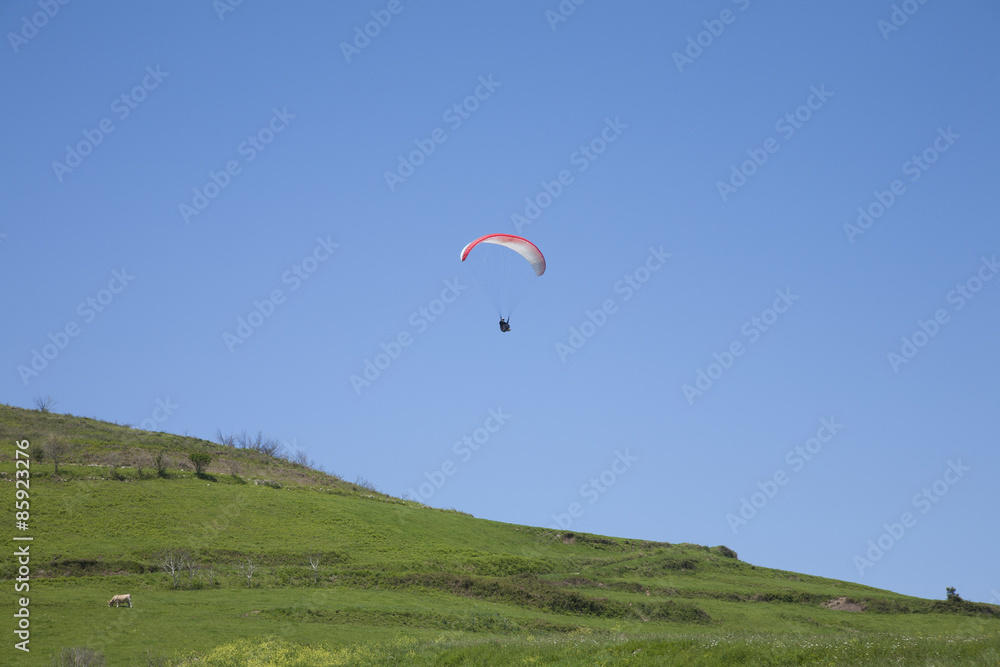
[843,604]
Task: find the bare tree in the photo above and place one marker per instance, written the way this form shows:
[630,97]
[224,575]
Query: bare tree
[170,564]
[246,441]
[258,443]
[58,450]
[247,568]
[271,447]
[227,440]
[235,467]
[314,564]
[140,459]
[365,484]
[173,562]
[301,458]
[115,461]
[44,403]
[191,564]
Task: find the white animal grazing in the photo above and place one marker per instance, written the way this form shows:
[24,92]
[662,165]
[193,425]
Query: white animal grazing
[119,600]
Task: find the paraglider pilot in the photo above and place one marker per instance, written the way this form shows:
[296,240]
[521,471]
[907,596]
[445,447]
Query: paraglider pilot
[504,326]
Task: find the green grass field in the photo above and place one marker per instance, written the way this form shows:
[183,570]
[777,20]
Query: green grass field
[399,583]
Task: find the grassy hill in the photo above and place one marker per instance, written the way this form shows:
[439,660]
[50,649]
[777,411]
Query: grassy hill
[298,567]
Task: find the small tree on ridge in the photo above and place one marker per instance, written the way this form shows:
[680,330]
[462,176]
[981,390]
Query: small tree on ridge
[200,461]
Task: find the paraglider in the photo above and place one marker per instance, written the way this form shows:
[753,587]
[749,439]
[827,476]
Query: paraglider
[506,266]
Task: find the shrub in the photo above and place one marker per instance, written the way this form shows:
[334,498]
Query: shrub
[200,461]
[141,460]
[365,484]
[154,660]
[727,552]
[161,464]
[235,467]
[78,656]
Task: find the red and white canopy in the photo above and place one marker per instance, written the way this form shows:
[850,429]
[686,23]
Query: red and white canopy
[521,246]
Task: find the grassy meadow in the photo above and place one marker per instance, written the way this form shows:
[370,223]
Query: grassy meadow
[261,561]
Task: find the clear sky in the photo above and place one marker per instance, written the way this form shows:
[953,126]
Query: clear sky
[770,313]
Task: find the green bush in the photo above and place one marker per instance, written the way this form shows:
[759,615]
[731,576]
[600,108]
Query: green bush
[727,552]
[200,461]
[161,464]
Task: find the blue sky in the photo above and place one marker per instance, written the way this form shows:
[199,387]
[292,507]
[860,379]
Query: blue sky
[747,207]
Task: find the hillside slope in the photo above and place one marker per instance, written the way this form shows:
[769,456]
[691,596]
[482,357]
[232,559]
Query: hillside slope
[283,559]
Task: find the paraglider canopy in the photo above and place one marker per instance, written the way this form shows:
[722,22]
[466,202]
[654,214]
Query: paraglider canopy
[521,246]
[506,266]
